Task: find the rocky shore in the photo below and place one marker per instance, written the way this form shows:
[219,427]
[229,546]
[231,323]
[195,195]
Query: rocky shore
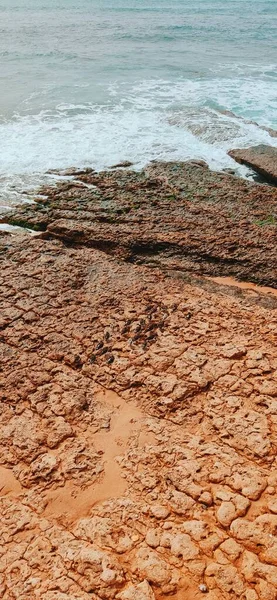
[180,217]
[263,159]
[138,395]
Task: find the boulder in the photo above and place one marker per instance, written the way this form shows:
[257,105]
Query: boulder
[262,158]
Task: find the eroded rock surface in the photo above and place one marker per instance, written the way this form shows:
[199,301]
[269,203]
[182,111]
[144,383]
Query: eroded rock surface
[180,217]
[262,159]
[138,430]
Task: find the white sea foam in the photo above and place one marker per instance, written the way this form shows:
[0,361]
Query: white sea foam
[148,120]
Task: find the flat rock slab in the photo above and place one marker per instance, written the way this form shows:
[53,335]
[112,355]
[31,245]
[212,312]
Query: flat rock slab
[262,158]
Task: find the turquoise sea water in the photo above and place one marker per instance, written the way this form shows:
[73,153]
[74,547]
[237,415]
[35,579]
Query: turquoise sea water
[93,82]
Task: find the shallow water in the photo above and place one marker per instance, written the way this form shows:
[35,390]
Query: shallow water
[87,83]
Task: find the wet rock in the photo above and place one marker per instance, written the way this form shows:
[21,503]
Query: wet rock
[70,172]
[123,164]
[230,171]
[151,217]
[262,159]
[199,163]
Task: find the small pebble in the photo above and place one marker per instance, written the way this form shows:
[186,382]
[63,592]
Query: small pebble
[78,362]
[103,351]
[203,588]
[99,346]
[110,359]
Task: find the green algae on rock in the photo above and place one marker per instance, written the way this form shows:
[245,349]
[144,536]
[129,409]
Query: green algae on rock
[175,216]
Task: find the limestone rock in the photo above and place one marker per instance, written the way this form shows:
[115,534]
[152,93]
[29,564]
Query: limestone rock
[149,565]
[140,591]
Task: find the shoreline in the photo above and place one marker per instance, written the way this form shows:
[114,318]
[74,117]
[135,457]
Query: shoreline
[175,216]
[205,138]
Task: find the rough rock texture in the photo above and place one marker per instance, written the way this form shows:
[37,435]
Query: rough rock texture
[137,430]
[262,159]
[178,216]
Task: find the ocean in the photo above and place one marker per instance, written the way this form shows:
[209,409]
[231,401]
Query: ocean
[89,83]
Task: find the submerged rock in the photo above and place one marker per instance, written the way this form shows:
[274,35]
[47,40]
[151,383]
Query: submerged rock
[70,172]
[124,164]
[262,158]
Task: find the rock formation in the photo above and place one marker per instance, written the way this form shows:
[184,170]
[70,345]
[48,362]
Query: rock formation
[180,217]
[262,159]
[139,408]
